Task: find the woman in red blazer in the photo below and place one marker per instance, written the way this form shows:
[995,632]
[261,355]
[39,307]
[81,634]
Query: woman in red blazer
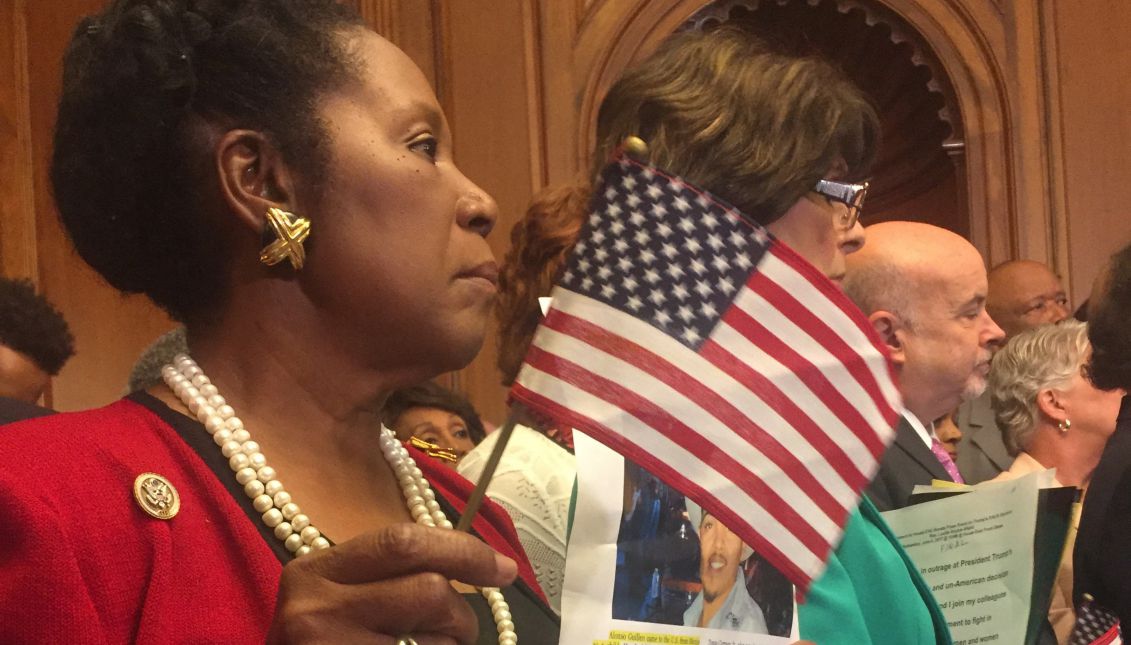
[281,180]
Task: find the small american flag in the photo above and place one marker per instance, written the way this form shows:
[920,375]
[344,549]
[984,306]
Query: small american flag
[1095,625]
[686,338]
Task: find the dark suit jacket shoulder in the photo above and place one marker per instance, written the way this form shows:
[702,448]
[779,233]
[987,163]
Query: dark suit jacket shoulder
[907,462]
[981,451]
[12,410]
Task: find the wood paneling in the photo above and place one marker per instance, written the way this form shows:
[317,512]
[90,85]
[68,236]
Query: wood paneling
[1092,130]
[17,231]
[489,55]
[110,330]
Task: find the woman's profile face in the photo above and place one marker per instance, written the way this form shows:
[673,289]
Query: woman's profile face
[398,264]
[810,228]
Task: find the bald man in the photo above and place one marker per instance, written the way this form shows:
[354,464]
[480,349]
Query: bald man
[1022,295]
[923,289]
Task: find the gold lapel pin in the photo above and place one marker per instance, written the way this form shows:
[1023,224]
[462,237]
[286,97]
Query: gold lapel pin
[156,496]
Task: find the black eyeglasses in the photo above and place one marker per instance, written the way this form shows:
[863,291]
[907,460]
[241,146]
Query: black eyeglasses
[851,195]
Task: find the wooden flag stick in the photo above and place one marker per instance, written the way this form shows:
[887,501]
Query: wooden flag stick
[480,491]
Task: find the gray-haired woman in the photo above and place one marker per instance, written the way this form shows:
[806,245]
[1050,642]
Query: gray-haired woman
[1051,416]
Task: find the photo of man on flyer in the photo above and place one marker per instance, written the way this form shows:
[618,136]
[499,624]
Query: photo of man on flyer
[724,602]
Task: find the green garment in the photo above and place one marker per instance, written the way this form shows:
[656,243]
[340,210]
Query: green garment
[871,592]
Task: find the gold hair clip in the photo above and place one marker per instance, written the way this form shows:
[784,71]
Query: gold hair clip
[636,148]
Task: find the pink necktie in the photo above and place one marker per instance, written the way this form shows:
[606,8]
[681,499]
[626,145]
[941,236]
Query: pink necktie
[944,458]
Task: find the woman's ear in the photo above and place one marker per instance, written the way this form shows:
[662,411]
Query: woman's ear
[1051,405]
[890,329]
[253,177]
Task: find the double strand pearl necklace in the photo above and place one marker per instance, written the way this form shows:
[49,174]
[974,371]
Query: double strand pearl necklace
[268,496]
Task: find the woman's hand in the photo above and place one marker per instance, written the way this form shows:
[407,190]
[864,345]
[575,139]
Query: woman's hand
[386,584]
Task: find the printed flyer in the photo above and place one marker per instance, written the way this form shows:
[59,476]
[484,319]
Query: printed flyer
[976,551]
[645,565]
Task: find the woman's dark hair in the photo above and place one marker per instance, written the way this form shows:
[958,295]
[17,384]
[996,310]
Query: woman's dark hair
[1110,365]
[130,155]
[29,324]
[755,127]
[431,395]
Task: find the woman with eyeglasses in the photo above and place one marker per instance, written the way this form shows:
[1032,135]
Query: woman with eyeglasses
[787,141]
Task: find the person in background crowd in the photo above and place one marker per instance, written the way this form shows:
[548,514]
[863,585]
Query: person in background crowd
[946,429]
[434,414]
[924,290]
[35,343]
[280,179]
[1052,417]
[1022,295]
[1102,560]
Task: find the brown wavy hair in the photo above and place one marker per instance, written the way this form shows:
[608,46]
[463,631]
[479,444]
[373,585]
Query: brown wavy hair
[540,243]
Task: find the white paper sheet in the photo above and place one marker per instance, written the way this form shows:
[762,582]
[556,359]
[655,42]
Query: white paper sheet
[975,550]
[593,593]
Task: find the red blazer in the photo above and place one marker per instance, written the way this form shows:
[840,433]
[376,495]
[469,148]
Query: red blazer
[80,562]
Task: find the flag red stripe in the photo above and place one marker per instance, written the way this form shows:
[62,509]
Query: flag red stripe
[680,434]
[806,319]
[852,361]
[617,442]
[815,379]
[1110,637]
[764,389]
[832,293]
[715,405]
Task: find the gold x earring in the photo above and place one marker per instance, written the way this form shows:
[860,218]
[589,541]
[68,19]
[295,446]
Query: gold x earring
[289,231]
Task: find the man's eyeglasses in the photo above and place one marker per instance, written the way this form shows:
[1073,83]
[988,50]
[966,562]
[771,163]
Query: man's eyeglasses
[851,195]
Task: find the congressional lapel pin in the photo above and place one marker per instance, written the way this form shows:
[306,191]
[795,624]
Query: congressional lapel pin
[156,496]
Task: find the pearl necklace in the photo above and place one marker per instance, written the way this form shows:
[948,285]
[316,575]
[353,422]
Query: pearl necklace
[268,496]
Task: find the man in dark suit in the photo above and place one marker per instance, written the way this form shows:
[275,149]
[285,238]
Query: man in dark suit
[1022,295]
[981,450]
[923,289]
[35,342]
